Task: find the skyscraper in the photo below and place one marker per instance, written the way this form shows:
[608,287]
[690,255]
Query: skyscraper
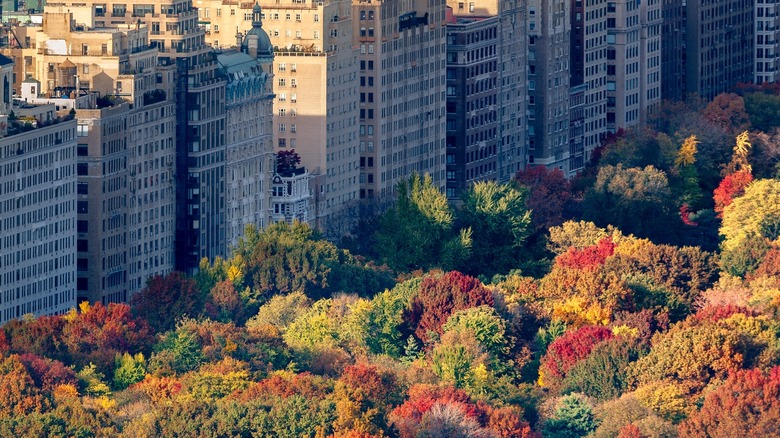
[402,103]
[486,93]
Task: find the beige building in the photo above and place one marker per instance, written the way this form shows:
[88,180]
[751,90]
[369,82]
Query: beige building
[37,212]
[199,93]
[315,81]
[126,148]
[402,100]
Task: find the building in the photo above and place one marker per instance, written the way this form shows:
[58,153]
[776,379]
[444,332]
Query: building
[673,49]
[767,21]
[199,96]
[633,61]
[291,198]
[549,33]
[720,45]
[486,94]
[126,147]
[315,81]
[588,80]
[250,158]
[402,94]
[37,210]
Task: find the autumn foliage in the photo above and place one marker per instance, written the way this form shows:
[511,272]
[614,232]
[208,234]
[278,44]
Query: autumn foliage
[731,186]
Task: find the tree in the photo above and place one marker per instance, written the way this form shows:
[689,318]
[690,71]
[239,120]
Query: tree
[566,351]
[287,160]
[763,109]
[727,111]
[755,215]
[167,298]
[549,197]
[689,190]
[129,369]
[418,232]
[732,186]
[573,418]
[499,222]
[740,159]
[439,296]
[766,153]
[746,405]
[98,333]
[284,258]
[640,147]
[635,200]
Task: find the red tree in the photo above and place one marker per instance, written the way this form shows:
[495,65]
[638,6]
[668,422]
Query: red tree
[48,374]
[439,296]
[167,298]
[748,404]
[101,332]
[549,196]
[731,186]
[407,417]
[572,347]
[589,257]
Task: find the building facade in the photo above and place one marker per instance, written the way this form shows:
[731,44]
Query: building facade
[549,33]
[402,74]
[250,158]
[37,213]
[720,45]
[486,94]
[315,82]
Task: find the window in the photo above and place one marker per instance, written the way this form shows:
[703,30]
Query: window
[82,188]
[282,66]
[82,245]
[85,49]
[293,67]
[82,150]
[282,82]
[104,49]
[85,69]
[316,18]
[232,12]
[282,127]
[293,97]
[293,128]
[282,142]
[82,169]
[82,207]
[82,130]
[82,226]
[283,97]
[293,83]
[282,112]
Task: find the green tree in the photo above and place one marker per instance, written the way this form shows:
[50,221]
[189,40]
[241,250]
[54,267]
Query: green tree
[635,200]
[763,110]
[418,232]
[573,418]
[500,223]
[129,369]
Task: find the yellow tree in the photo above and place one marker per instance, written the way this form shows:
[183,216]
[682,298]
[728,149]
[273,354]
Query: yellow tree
[739,159]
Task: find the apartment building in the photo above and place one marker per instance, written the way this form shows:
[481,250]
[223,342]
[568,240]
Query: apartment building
[549,33]
[37,209]
[486,93]
[720,45]
[673,49]
[250,157]
[126,147]
[402,94]
[315,81]
[633,61]
[588,70]
[767,22]
[199,94]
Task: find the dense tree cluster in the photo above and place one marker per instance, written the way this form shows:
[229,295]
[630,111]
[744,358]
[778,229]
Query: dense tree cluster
[642,300]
